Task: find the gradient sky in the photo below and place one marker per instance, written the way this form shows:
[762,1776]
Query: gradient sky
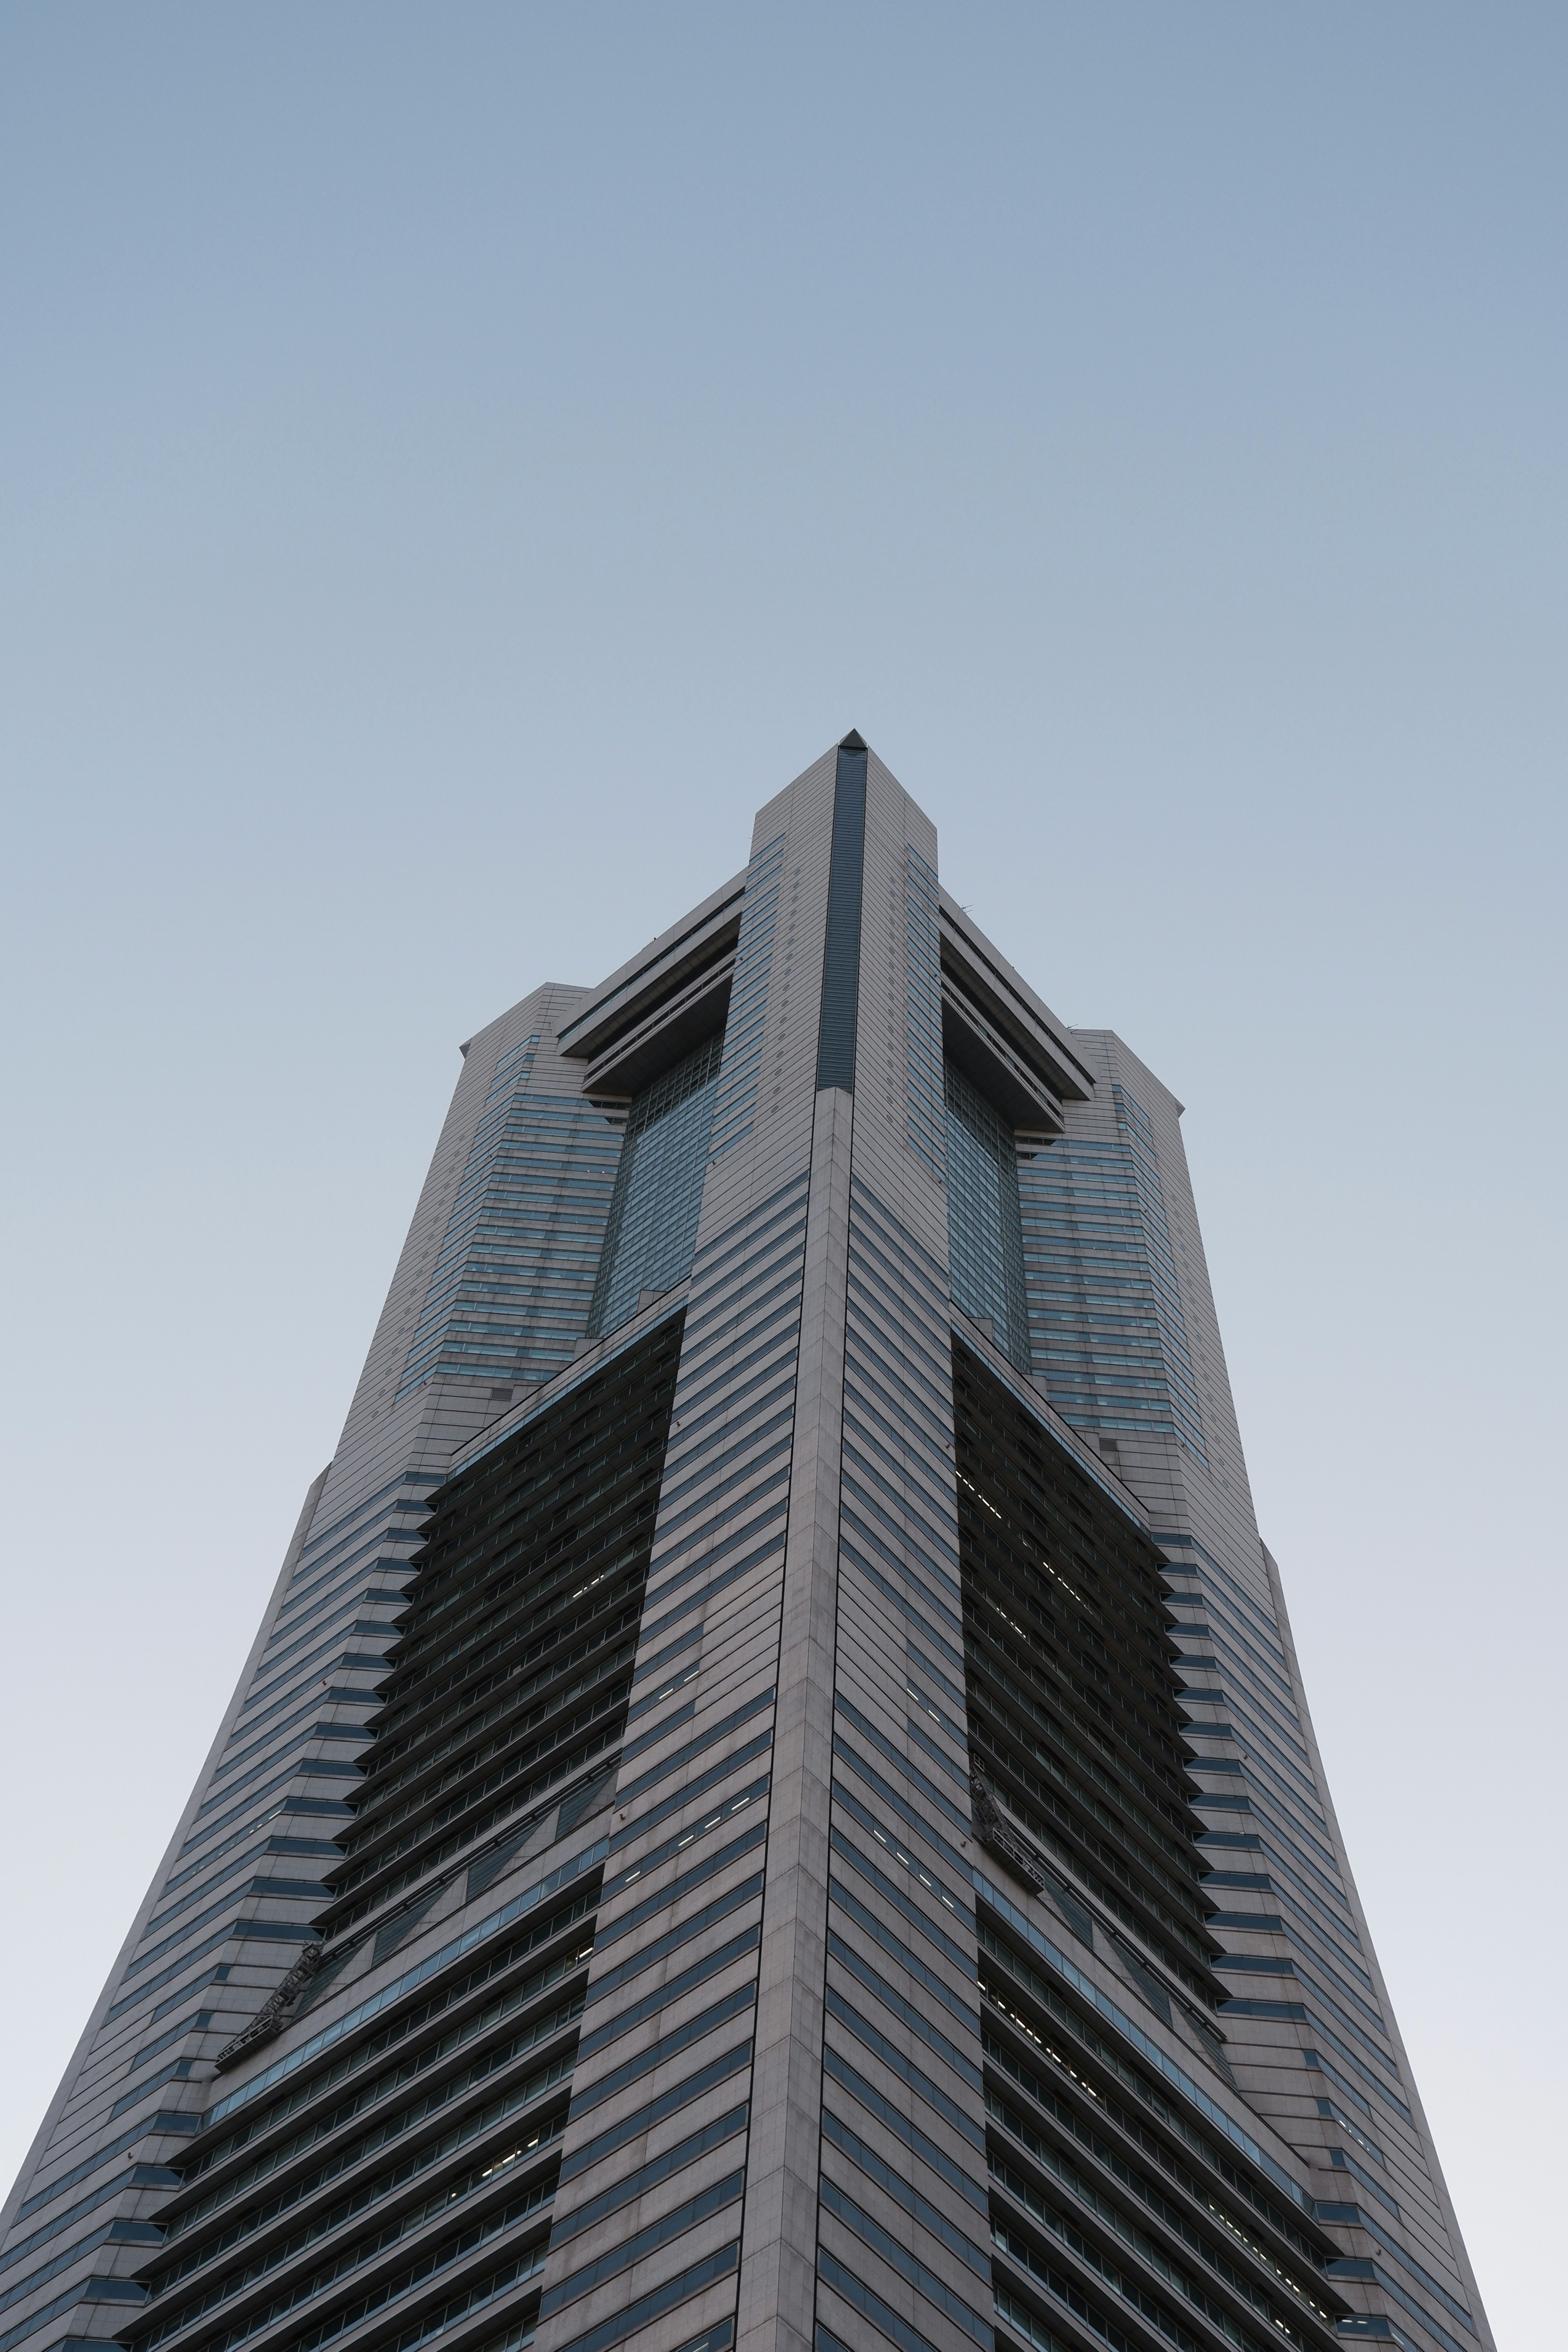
[456,462]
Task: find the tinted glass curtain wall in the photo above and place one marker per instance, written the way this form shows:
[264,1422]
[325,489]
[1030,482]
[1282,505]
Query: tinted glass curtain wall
[984,1222]
[653,1225]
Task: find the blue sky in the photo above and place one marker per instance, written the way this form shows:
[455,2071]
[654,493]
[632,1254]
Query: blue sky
[455,463]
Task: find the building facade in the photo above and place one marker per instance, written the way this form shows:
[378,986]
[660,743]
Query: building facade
[773,1804]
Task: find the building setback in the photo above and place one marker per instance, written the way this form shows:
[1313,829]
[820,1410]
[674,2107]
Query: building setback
[773,1803]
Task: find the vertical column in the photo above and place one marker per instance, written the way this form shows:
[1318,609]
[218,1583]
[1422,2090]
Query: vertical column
[778,2240]
[903,2250]
[778,2245]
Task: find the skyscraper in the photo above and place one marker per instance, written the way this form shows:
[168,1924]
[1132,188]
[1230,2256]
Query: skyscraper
[773,1803]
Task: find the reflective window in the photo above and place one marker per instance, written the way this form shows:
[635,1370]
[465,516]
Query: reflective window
[985,1229]
[1110,1340]
[509,1291]
[652,1230]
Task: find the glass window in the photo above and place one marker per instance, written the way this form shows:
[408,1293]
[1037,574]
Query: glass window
[652,1230]
[985,1228]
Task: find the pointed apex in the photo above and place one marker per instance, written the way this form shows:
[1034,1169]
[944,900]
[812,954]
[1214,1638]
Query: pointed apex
[854,742]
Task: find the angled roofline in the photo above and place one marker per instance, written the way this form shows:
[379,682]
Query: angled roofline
[1005,992]
[670,958]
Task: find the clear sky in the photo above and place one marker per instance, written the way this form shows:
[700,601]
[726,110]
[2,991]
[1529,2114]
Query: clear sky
[456,462]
